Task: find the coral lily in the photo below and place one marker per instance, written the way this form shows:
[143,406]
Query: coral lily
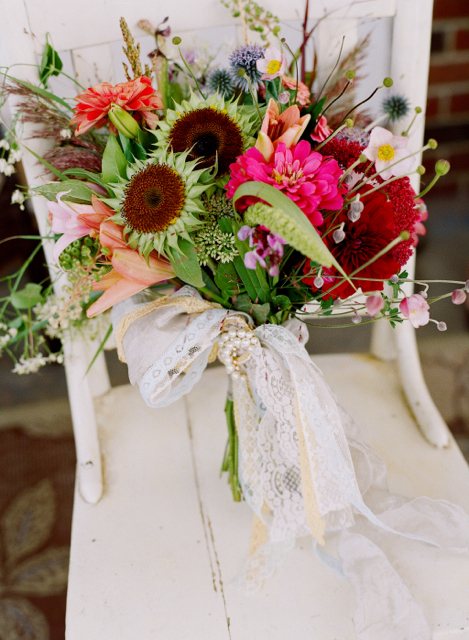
[286,127]
[130,272]
[65,219]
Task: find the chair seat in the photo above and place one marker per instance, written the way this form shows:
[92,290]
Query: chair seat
[155,557]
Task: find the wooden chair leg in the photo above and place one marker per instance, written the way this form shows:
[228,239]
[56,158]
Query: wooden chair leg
[90,479]
[426,414]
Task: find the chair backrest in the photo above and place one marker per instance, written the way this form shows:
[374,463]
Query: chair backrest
[88,38]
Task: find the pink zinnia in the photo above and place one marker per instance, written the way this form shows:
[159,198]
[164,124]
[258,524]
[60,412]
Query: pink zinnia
[137,96]
[310,180]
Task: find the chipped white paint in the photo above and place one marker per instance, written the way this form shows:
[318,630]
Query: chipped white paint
[155,558]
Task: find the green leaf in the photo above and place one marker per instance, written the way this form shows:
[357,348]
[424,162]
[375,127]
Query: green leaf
[227,279]
[100,348]
[185,263]
[295,228]
[248,276]
[42,92]
[77,191]
[114,161]
[87,175]
[315,110]
[28,297]
[145,140]
[259,312]
[51,64]
[283,302]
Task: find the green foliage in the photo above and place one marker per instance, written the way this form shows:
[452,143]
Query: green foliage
[259,312]
[28,297]
[51,64]
[76,191]
[227,280]
[86,175]
[185,263]
[114,161]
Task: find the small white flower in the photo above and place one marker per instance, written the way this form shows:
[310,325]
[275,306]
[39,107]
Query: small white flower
[386,149]
[15,156]
[3,165]
[4,145]
[13,332]
[65,133]
[9,170]
[17,197]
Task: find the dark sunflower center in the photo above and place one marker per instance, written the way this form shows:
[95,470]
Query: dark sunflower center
[208,135]
[206,145]
[154,199]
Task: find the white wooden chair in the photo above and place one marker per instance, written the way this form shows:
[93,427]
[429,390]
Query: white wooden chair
[156,537]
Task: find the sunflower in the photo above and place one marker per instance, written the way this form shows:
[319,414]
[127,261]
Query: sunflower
[213,132]
[160,202]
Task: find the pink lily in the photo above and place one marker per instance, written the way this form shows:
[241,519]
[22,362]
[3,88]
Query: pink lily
[65,219]
[130,273]
[286,127]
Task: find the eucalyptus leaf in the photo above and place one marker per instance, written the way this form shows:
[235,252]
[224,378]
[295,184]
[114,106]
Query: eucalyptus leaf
[114,161]
[185,264]
[76,190]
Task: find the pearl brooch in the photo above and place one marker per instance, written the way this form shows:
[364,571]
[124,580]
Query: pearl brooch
[235,347]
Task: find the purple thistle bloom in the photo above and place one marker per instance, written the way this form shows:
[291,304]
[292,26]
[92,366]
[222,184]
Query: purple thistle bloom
[246,57]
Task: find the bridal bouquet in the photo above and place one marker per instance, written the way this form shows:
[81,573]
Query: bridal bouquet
[218,215]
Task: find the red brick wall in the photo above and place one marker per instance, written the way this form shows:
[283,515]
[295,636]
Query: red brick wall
[448,95]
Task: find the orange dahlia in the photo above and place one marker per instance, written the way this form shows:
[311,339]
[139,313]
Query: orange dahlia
[137,96]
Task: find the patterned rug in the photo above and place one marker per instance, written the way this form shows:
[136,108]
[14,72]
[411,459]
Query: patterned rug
[37,475]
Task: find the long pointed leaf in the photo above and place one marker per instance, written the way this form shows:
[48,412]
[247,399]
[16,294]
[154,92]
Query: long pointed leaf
[42,92]
[296,224]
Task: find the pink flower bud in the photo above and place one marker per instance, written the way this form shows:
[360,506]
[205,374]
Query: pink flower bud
[374,304]
[416,310]
[458,296]
[441,326]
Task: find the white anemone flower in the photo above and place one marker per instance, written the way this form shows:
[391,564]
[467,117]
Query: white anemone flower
[386,149]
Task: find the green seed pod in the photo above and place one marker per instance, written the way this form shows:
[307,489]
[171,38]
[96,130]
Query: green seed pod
[442,167]
[176,41]
[388,82]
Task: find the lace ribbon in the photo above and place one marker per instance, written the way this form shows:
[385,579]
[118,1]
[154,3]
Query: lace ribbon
[302,466]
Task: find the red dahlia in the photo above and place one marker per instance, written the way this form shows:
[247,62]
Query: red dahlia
[363,240]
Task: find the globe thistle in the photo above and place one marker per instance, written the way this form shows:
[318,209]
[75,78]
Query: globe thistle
[396,107]
[245,58]
[220,81]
